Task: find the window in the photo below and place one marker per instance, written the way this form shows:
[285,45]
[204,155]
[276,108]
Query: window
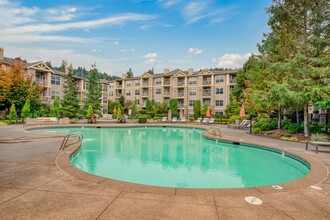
[111,93]
[137,83]
[137,92]
[158,81]
[218,102]
[192,80]
[128,83]
[219,91]
[191,102]
[192,91]
[207,101]
[105,100]
[55,80]
[104,87]
[56,94]
[158,91]
[128,93]
[219,79]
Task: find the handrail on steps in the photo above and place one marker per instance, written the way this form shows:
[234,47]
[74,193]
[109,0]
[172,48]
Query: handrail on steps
[214,131]
[67,137]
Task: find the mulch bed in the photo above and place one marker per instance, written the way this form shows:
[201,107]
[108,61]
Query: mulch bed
[280,134]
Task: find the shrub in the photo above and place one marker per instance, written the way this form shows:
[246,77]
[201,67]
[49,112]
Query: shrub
[269,132]
[224,121]
[314,129]
[287,135]
[233,118]
[319,137]
[143,118]
[256,130]
[295,128]
[286,124]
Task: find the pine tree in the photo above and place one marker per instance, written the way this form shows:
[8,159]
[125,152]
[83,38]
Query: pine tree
[94,95]
[129,73]
[12,113]
[55,109]
[26,111]
[197,109]
[70,103]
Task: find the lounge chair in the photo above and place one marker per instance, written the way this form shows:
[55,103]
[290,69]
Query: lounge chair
[174,119]
[205,121]
[198,121]
[211,121]
[236,125]
[244,124]
[183,119]
[164,119]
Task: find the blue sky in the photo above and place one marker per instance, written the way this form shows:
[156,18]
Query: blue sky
[137,34]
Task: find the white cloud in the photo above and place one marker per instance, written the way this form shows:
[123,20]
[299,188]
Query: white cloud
[233,60]
[116,43]
[64,13]
[114,20]
[145,27]
[214,60]
[168,3]
[194,8]
[96,50]
[194,51]
[151,58]
[24,38]
[151,55]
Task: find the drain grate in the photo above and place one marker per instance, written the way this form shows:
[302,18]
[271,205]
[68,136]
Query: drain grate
[253,200]
[316,187]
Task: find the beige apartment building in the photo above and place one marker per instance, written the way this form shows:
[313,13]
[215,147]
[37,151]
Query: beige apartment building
[212,87]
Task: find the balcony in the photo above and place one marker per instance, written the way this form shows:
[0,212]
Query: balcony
[207,82]
[119,85]
[145,94]
[181,105]
[180,94]
[180,83]
[167,93]
[206,93]
[166,82]
[232,81]
[137,84]
[145,84]
[119,94]
[41,81]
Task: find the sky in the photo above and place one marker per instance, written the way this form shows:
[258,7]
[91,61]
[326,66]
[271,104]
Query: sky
[136,34]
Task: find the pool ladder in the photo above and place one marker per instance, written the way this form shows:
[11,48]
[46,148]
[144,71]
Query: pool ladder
[65,143]
[214,131]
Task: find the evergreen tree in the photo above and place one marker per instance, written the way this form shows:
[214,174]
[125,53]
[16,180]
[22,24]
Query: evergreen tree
[129,73]
[94,95]
[12,113]
[197,109]
[174,106]
[148,106]
[26,109]
[55,109]
[90,112]
[70,103]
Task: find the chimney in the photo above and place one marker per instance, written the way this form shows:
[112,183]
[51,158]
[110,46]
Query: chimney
[1,53]
[124,76]
[166,70]
[190,71]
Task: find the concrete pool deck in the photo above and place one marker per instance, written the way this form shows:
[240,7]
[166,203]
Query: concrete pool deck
[33,187]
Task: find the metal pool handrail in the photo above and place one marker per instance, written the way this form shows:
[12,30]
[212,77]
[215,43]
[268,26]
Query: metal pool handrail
[214,131]
[67,137]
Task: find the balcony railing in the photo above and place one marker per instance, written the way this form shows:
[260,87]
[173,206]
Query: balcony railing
[145,94]
[118,85]
[137,84]
[232,81]
[166,82]
[181,105]
[145,84]
[167,93]
[119,94]
[42,81]
[180,94]
[206,93]
[207,82]
[180,83]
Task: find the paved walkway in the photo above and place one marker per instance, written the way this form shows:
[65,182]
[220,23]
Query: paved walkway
[33,187]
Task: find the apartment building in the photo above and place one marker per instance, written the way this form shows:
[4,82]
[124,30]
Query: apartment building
[212,87]
[53,81]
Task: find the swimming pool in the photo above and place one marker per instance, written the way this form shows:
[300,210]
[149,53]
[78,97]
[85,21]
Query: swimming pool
[179,157]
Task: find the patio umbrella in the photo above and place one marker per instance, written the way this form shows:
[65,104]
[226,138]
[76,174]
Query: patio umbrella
[242,112]
[208,113]
[114,110]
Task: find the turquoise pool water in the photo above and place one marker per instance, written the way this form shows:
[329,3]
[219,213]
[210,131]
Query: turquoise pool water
[179,157]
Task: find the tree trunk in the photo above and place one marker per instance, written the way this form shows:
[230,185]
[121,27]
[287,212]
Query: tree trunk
[279,118]
[315,115]
[306,131]
[297,115]
[285,115]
